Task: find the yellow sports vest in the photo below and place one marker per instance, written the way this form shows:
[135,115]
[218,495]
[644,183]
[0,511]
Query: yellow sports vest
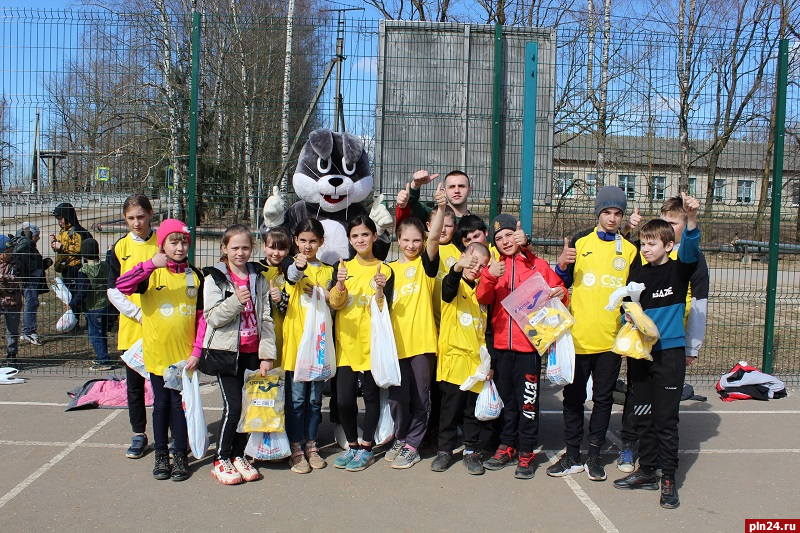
[130,253]
[598,272]
[169,319]
[353,325]
[448,255]
[276,276]
[298,308]
[412,309]
[461,335]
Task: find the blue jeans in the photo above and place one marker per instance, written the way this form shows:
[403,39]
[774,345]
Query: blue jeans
[98,332]
[11,315]
[31,306]
[303,409]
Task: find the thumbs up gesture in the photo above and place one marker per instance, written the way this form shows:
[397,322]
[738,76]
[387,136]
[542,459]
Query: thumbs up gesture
[341,273]
[692,207]
[635,219]
[568,255]
[274,209]
[380,280]
[274,292]
[439,196]
[403,196]
[519,236]
[496,268]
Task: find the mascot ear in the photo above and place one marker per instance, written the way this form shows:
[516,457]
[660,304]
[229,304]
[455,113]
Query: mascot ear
[352,148]
[322,142]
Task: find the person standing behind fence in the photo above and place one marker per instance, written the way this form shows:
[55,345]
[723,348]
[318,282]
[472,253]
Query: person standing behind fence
[67,245]
[137,246]
[236,320]
[172,306]
[35,284]
[10,297]
[90,298]
[595,263]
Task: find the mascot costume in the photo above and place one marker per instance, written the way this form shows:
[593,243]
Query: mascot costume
[332,178]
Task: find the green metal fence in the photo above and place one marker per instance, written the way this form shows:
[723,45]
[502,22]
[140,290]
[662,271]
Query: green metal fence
[96,106]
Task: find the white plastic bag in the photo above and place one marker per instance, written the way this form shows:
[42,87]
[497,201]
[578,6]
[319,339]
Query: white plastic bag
[589,389]
[316,355]
[134,358]
[488,405]
[383,350]
[481,373]
[67,322]
[268,446]
[385,430]
[195,418]
[61,290]
[561,360]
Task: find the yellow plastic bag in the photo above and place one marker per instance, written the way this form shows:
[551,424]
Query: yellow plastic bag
[263,402]
[643,323]
[631,343]
[544,326]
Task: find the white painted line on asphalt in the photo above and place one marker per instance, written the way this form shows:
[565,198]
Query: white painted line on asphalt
[10,495]
[598,515]
[43,404]
[57,444]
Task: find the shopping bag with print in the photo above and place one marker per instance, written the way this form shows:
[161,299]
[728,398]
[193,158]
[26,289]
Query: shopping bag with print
[385,430]
[488,406]
[316,355]
[134,358]
[268,446]
[263,402]
[561,360]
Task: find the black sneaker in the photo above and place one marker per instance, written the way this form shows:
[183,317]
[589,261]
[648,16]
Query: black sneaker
[595,469]
[637,480]
[565,466]
[161,471]
[180,467]
[504,456]
[526,466]
[474,464]
[138,445]
[441,461]
[669,493]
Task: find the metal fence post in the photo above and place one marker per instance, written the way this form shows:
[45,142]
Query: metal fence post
[496,111]
[775,213]
[529,137]
[192,192]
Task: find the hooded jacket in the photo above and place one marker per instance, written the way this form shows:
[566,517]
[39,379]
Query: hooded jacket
[71,237]
[219,326]
[491,291]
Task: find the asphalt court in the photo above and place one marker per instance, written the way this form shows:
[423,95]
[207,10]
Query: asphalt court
[67,472]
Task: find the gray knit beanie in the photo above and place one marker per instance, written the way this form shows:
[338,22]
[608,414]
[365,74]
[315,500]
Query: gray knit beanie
[610,196]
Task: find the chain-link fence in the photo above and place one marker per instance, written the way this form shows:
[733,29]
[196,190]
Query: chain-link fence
[96,106]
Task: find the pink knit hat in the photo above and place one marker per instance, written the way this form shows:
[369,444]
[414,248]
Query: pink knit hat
[171,225]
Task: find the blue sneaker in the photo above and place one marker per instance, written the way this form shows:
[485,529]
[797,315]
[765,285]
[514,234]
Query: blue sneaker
[138,445]
[361,461]
[343,460]
[626,462]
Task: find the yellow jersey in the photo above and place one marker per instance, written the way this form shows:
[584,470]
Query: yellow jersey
[412,306]
[127,253]
[274,274]
[320,274]
[448,255]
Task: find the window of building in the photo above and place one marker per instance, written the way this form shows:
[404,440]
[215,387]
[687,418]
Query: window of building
[591,185]
[692,187]
[627,183]
[796,194]
[719,190]
[744,192]
[659,187]
[562,184]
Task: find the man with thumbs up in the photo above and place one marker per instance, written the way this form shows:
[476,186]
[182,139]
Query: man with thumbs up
[594,262]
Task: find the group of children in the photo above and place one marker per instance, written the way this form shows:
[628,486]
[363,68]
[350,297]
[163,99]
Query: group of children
[444,300]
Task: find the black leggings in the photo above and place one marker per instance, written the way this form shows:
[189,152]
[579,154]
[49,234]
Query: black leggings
[135,391]
[347,395]
[168,415]
[231,444]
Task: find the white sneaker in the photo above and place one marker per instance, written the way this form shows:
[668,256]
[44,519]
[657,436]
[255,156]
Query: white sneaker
[247,471]
[32,338]
[224,472]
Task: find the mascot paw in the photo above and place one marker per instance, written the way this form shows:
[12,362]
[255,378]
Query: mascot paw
[274,209]
[380,215]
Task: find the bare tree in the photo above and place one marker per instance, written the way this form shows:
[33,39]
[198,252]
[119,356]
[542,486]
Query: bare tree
[5,143]
[423,10]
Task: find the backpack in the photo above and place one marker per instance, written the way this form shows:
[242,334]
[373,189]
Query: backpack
[25,255]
